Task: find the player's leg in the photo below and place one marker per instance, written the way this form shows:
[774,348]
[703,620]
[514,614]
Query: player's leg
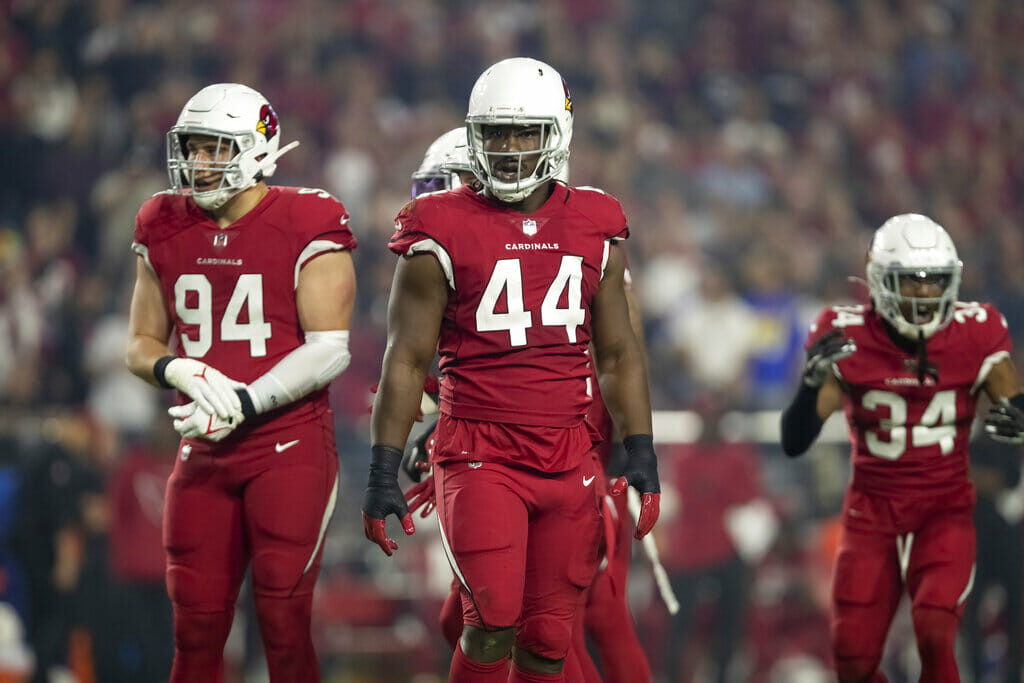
[561,561]
[940,574]
[866,590]
[287,508]
[206,560]
[483,523]
[608,620]
[450,617]
[579,667]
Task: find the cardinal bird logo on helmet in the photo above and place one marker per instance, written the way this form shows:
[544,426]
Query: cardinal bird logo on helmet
[568,97]
[268,122]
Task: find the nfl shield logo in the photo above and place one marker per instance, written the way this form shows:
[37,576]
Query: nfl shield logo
[220,240]
[530,227]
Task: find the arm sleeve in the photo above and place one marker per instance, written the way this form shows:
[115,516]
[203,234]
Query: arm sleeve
[307,368]
[800,422]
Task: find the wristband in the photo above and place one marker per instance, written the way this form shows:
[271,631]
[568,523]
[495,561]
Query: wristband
[384,464]
[248,409]
[637,442]
[160,370]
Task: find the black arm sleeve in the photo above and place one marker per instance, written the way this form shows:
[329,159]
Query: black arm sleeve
[800,422]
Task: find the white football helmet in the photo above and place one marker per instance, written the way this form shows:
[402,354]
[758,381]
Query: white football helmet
[520,91]
[445,158]
[238,116]
[913,245]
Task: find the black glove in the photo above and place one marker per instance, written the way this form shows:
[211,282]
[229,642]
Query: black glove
[416,460]
[384,497]
[641,473]
[1005,422]
[822,354]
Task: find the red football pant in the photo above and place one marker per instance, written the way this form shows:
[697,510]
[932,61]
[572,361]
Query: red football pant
[937,561]
[258,505]
[524,545]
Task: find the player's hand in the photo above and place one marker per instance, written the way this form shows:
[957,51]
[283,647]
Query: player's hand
[822,354]
[416,460]
[641,473]
[192,422]
[1005,423]
[422,495]
[211,389]
[384,497]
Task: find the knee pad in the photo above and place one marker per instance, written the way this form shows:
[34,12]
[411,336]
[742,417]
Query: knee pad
[487,646]
[545,636]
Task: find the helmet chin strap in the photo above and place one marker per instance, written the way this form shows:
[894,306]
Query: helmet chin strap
[924,368]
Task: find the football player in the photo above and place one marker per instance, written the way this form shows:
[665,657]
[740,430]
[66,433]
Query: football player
[907,370]
[510,285]
[606,618]
[242,303]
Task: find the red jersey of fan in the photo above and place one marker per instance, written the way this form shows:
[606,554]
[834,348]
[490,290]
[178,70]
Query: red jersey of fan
[910,437]
[515,335]
[230,291]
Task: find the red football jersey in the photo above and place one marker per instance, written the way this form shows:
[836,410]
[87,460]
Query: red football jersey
[515,335]
[231,292]
[910,438]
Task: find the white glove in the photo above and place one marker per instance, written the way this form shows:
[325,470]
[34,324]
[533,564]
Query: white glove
[212,390]
[192,422]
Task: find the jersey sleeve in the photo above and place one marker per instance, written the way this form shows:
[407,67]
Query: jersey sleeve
[822,325]
[323,224]
[991,337]
[603,210]
[154,221]
[412,236]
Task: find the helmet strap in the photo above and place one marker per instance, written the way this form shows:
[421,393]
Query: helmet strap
[924,368]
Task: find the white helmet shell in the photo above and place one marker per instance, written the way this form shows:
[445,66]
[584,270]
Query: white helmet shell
[912,244]
[519,92]
[445,158]
[241,118]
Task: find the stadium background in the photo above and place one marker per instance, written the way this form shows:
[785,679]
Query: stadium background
[754,146]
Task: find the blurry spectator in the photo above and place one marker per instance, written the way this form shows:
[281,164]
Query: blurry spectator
[721,529]
[993,618]
[136,491]
[716,335]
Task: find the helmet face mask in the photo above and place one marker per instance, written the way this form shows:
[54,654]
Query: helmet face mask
[233,117]
[914,273]
[524,93]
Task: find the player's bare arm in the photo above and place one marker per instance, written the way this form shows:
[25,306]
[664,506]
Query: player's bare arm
[623,376]
[326,292]
[621,365]
[149,326]
[419,295]
[1005,419]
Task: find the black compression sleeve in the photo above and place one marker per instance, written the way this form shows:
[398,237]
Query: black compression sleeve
[800,422]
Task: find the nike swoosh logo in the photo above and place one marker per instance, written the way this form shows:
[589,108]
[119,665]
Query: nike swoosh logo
[587,481]
[282,447]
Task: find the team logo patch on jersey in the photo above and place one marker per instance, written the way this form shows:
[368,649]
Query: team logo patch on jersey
[220,240]
[530,227]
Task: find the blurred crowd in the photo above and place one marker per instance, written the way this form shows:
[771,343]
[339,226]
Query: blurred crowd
[753,145]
